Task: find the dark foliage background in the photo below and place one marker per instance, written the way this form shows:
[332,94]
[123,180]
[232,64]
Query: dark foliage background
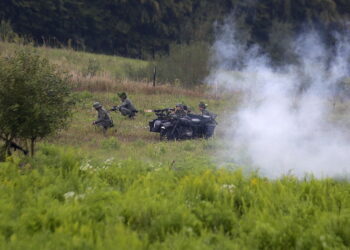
[145,28]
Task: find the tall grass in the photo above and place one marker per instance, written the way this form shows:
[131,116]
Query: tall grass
[63,200]
[107,84]
[82,62]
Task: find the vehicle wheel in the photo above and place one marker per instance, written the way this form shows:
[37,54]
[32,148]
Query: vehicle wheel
[162,136]
[172,136]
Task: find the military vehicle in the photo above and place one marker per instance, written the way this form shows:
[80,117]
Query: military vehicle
[172,127]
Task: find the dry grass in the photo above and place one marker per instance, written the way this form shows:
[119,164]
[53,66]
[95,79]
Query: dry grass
[106,83]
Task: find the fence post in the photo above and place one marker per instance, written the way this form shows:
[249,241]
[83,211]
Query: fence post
[154,76]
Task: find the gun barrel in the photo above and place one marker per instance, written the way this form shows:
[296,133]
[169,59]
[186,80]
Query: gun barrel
[163,110]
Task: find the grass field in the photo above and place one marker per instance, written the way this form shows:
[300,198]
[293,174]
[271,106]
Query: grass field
[128,190]
[78,62]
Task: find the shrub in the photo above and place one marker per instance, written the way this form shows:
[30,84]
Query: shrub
[34,98]
[186,64]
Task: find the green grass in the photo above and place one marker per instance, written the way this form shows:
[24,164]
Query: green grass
[76,61]
[132,136]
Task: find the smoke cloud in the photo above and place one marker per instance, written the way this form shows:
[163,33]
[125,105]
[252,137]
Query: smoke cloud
[286,122]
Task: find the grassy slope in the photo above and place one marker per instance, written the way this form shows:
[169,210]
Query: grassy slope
[130,191]
[78,61]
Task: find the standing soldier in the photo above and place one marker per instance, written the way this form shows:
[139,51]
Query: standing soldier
[210,126]
[103,118]
[126,108]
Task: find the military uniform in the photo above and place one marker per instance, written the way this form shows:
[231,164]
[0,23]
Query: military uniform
[179,111]
[210,126]
[103,118]
[126,108]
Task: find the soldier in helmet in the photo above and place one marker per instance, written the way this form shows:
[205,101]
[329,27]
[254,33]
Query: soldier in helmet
[210,126]
[126,108]
[103,118]
[180,111]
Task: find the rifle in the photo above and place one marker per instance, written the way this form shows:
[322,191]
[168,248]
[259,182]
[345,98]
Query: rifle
[114,108]
[161,113]
[159,110]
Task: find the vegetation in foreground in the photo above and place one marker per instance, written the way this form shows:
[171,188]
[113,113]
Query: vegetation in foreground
[61,200]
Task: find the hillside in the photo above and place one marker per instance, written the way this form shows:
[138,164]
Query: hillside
[83,62]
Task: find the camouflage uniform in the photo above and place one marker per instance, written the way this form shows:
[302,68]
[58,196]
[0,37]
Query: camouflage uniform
[103,118]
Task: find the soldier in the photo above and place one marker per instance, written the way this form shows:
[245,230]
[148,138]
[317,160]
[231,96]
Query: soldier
[180,111]
[103,118]
[210,126]
[126,108]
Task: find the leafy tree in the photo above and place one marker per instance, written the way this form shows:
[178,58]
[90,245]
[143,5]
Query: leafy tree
[34,98]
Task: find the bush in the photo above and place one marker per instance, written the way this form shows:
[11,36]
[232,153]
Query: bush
[34,98]
[186,64]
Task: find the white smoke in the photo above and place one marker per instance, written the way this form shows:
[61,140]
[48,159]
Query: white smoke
[283,124]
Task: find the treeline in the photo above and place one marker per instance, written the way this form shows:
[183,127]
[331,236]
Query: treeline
[144,28]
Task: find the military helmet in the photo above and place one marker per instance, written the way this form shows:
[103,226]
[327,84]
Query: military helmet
[202,105]
[122,95]
[179,105]
[97,105]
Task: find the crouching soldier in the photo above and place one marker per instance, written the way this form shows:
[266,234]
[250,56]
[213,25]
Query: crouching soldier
[126,108]
[210,126]
[103,118]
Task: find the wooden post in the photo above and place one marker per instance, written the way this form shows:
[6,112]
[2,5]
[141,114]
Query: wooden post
[154,76]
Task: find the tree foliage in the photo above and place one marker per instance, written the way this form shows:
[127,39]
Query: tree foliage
[34,98]
[142,28]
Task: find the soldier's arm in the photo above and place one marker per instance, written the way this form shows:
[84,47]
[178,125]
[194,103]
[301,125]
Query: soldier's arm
[101,116]
[124,104]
